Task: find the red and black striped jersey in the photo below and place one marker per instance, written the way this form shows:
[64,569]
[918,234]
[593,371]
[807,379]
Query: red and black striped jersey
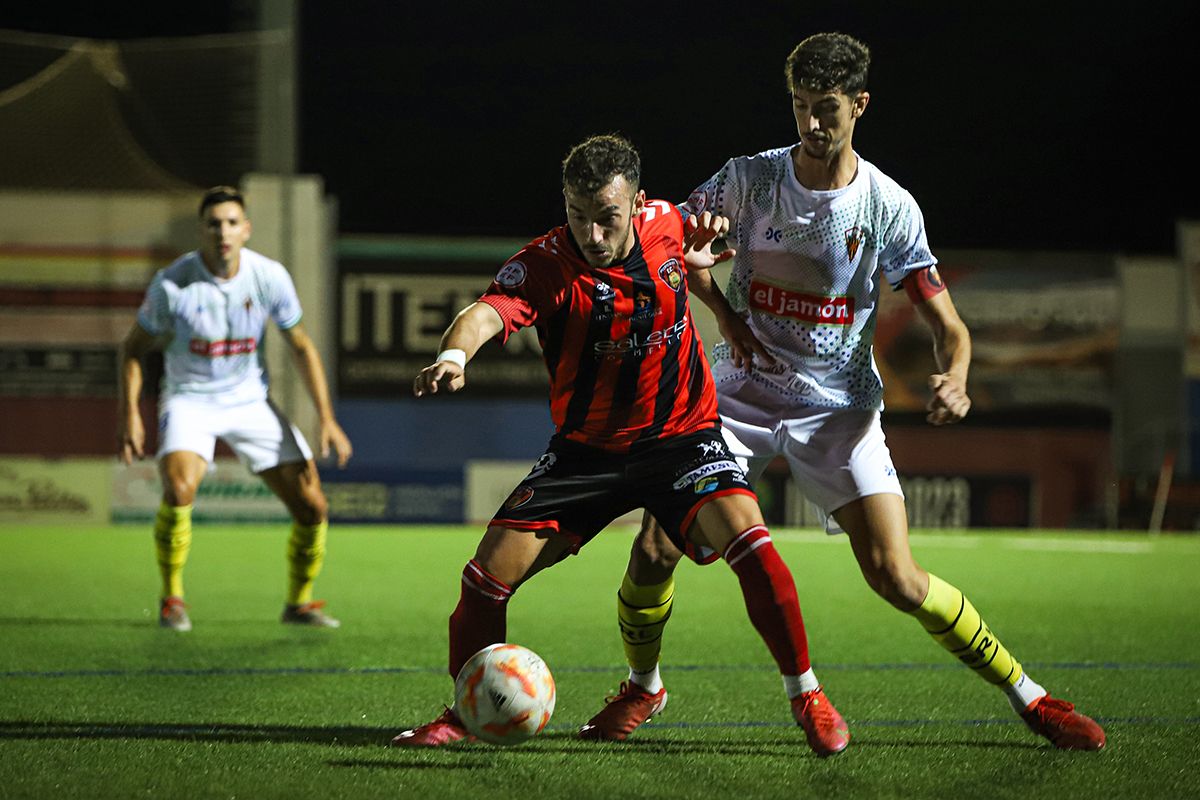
[625,360]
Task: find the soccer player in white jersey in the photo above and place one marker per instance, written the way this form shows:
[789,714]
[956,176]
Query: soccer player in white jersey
[819,231]
[209,311]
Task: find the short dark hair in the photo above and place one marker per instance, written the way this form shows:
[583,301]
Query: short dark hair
[221,194]
[828,62]
[595,161]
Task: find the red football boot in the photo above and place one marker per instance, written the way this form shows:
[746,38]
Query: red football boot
[446,729]
[1065,727]
[623,712]
[824,727]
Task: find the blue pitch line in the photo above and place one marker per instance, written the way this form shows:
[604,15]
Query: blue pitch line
[232,671]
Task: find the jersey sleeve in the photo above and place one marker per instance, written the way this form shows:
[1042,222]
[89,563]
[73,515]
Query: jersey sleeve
[282,301]
[154,315]
[516,294]
[905,249]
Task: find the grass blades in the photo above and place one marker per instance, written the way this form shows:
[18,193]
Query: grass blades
[96,701]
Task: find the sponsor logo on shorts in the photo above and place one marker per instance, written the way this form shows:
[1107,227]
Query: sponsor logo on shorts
[222,347]
[511,275]
[706,485]
[812,308]
[542,466]
[704,471]
[519,497]
[710,449]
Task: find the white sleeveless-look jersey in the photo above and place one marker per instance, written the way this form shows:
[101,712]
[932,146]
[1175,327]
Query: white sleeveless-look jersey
[216,327]
[808,272]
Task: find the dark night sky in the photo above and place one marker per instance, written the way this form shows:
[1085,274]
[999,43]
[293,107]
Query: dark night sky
[1022,125]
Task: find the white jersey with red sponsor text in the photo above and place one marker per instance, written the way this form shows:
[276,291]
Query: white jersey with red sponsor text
[216,327]
[808,272]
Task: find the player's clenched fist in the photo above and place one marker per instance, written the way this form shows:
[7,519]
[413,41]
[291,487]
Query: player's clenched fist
[949,402]
[441,376]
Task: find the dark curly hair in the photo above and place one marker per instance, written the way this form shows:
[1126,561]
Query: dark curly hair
[828,62]
[595,161]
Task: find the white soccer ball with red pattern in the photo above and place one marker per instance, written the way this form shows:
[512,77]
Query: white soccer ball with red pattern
[504,694]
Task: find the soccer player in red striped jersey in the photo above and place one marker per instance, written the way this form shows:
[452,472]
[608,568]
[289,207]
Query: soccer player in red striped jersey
[635,413]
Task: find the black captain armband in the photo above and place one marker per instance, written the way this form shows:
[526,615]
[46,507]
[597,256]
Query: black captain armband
[923,284]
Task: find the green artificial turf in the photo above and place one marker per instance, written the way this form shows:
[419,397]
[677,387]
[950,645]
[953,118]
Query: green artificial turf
[96,701]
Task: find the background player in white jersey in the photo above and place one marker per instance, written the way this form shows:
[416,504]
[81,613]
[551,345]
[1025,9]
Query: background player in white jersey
[818,230]
[209,310]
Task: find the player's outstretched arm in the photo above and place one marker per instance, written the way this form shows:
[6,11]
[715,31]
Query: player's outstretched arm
[952,352]
[473,326]
[745,348]
[308,359]
[131,433]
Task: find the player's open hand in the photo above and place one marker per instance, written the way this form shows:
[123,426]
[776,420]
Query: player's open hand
[333,437]
[699,233]
[442,376]
[131,440]
[949,402]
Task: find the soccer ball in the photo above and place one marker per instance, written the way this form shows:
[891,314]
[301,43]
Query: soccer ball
[504,694]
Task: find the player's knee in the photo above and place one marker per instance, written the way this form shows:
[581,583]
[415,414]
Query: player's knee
[312,509]
[179,491]
[653,558]
[897,583]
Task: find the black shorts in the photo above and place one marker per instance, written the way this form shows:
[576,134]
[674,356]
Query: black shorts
[578,490]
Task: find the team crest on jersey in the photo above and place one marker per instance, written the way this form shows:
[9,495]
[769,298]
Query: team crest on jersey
[854,237]
[519,497]
[604,291]
[511,275]
[671,274]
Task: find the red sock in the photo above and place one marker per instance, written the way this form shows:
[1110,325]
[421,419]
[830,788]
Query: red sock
[770,595]
[480,618]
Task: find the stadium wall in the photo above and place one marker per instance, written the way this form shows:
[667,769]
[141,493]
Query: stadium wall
[1049,331]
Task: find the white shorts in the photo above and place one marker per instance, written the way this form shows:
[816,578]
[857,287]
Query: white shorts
[257,431]
[836,455]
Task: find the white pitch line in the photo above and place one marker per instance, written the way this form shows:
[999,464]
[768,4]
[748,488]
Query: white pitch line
[1072,546]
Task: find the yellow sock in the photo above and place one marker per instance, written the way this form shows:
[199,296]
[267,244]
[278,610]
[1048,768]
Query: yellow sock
[953,622]
[172,541]
[642,613]
[305,553]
